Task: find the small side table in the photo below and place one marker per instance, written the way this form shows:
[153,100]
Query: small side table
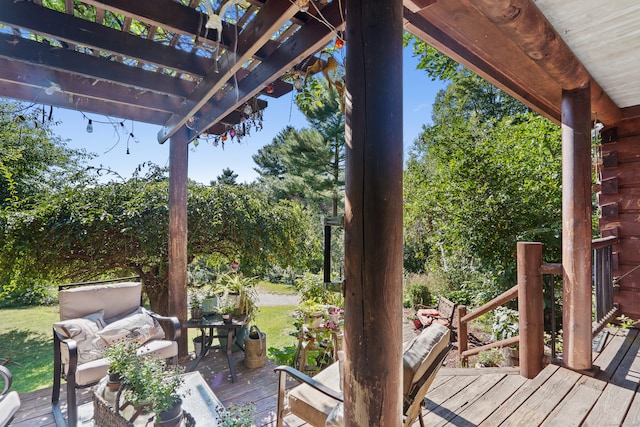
[215,321]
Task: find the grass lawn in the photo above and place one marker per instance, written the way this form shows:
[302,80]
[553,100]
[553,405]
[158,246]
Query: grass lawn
[26,338]
[277,323]
[276,288]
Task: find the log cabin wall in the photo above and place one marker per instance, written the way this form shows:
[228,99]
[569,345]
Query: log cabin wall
[619,201]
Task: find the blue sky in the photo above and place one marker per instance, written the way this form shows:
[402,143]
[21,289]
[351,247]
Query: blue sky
[206,162]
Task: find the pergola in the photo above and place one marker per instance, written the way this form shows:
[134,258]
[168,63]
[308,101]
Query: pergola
[192,70]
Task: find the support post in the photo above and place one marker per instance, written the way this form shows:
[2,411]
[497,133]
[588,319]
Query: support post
[178,172]
[576,227]
[327,254]
[463,334]
[530,308]
[373,214]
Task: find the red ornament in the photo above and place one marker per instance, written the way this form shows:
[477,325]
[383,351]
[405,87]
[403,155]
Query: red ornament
[339,43]
[235,265]
[224,137]
[270,89]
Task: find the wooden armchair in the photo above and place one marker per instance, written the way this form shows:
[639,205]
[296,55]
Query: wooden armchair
[316,399]
[93,317]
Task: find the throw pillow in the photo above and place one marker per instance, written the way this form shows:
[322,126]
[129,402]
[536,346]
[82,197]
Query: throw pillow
[84,332]
[138,326]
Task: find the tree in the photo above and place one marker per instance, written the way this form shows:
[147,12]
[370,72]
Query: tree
[308,164]
[122,227]
[33,160]
[227,177]
[483,176]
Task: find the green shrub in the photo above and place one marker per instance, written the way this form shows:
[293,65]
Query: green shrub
[417,294]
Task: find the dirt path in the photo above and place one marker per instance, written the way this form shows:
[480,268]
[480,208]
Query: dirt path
[266,299]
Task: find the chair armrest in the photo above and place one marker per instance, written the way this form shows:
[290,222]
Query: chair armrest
[306,379]
[5,373]
[72,346]
[173,321]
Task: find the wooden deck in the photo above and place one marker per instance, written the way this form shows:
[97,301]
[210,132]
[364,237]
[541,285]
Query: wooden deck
[460,397]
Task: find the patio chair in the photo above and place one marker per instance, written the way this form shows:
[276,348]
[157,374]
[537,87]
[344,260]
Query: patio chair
[93,317]
[442,313]
[9,401]
[318,400]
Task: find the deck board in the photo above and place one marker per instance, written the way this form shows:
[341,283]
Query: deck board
[489,402]
[458,397]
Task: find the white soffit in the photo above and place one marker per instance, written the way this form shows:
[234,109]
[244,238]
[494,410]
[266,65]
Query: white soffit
[605,36]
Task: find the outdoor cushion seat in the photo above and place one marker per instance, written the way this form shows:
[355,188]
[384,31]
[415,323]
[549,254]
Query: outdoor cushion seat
[9,402]
[91,319]
[316,399]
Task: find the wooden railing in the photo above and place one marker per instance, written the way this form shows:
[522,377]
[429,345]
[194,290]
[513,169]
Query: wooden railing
[530,304]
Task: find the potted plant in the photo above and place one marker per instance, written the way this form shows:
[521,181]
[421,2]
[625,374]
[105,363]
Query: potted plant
[162,391]
[227,306]
[196,307]
[243,288]
[121,356]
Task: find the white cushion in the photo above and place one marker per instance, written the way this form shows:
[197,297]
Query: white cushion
[9,404]
[115,299]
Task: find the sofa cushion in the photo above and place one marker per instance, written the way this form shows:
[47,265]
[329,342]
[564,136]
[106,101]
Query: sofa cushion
[93,371]
[139,326]
[421,352]
[84,332]
[114,298]
[310,404]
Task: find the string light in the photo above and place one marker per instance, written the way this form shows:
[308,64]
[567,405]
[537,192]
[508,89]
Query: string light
[90,126]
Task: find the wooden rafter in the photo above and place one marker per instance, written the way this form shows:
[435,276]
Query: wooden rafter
[271,17]
[309,39]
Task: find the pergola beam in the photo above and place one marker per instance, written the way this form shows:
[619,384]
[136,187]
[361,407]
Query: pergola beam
[70,29]
[303,43]
[272,16]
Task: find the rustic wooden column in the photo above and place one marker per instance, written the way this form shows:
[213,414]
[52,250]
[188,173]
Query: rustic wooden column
[373,214]
[530,308]
[576,227]
[178,173]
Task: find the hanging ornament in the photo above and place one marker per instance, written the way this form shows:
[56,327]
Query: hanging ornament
[232,132]
[224,137]
[247,109]
[297,82]
[269,89]
[339,43]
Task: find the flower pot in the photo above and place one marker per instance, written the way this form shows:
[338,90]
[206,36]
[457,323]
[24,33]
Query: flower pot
[113,380]
[210,305]
[227,318]
[197,345]
[171,417]
[197,314]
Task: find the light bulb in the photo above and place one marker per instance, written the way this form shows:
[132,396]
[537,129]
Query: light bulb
[247,109]
[90,126]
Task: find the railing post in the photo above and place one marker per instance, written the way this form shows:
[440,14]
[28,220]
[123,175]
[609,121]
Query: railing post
[463,336]
[531,308]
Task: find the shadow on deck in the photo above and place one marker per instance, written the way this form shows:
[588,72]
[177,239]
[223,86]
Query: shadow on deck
[459,397]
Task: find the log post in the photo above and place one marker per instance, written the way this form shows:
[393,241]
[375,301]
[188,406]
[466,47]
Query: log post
[373,214]
[576,227]
[178,172]
[463,334]
[530,308]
